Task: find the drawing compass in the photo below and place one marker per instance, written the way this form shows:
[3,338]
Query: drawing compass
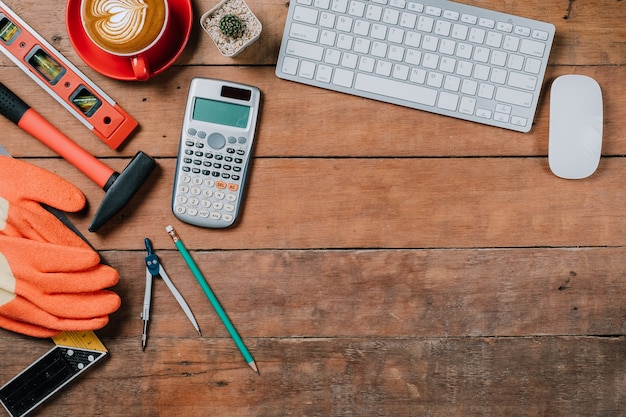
[155,270]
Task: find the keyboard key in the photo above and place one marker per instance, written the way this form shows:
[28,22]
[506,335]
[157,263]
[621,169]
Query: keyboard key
[396,89]
[523,81]
[467,105]
[290,66]
[343,77]
[304,32]
[304,14]
[305,50]
[510,96]
[307,69]
[448,101]
[324,73]
[534,48]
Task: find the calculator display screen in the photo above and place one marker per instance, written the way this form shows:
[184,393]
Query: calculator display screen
[219,112]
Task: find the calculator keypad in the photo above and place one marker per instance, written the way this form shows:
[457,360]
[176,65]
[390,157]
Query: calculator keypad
[208,185]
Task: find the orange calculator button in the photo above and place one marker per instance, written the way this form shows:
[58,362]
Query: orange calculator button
[233,187]
[220,185]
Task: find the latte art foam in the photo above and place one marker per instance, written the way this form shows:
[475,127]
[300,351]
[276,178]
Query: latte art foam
[123,26]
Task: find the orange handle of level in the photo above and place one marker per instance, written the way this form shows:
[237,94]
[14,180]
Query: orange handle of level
[33,123]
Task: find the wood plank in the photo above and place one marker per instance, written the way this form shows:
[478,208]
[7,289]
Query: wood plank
[382,293]
[382,203]
[340,377]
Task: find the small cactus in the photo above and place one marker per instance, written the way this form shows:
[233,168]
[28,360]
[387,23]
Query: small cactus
[231,25]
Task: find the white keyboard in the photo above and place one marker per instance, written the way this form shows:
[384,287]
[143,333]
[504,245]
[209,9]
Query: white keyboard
[439,56]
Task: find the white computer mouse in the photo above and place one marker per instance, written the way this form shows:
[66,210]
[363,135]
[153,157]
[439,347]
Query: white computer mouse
[575,142]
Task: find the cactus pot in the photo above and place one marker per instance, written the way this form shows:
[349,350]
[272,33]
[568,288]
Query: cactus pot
[227,45]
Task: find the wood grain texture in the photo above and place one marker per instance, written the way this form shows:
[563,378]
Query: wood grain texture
[389,262]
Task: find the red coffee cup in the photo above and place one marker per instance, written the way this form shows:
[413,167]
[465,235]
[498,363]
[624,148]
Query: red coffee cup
[142,62]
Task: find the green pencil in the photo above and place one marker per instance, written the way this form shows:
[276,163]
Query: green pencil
[212,298]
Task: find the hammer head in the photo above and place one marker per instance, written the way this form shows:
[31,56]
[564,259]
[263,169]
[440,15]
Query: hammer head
[121,187]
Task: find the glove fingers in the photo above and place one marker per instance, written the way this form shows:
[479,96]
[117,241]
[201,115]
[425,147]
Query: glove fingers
[74,306]
[26,328]
[98,278]
[47,257]
[36,223]
[20,180]
[22,310]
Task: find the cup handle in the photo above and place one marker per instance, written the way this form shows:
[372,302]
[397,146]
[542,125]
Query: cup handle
[141,68]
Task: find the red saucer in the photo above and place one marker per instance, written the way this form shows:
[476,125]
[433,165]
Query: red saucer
[176,35]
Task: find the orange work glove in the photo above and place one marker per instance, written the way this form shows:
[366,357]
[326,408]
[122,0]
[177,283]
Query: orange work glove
[56,287]
[50,279]
[23,187]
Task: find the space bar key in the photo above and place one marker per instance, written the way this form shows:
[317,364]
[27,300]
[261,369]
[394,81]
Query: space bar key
[396,89]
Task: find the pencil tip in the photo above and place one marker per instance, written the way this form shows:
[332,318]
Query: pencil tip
[254,368]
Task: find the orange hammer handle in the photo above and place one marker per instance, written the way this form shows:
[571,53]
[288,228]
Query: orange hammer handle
[33,123]
[20,113]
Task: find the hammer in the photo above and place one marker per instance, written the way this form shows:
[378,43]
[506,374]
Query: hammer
[119,188]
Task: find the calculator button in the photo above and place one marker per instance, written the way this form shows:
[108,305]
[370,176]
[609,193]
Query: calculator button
[233,187]
[192,131]
[215,215]
[227,217]
[242,140]
[220,185]
[231,197]
[216,140]
[232,139]
[201,134]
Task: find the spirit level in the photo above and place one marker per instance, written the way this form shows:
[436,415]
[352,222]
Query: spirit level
[62,80]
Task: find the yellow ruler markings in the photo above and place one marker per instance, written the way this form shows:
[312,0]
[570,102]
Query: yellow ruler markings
[82,340]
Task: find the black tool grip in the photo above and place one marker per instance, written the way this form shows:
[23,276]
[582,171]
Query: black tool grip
[11,106]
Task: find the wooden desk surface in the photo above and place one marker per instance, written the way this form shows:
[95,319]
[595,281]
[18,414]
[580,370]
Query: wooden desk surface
[389,261]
